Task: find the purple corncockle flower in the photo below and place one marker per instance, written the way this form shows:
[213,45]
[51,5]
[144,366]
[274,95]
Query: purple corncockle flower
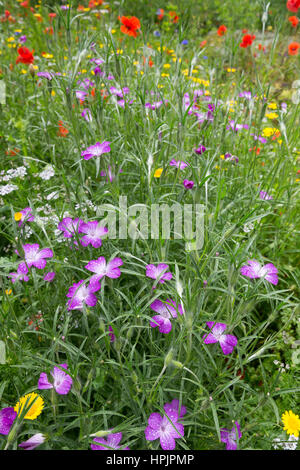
[101,269]
[232,158]
[94,232]
[98,71]
[165,428]
[255,270]
[165,312]
[201,149]
[87,115]
[7,417]
[86,83]
[236,127]
[96,150]
[81,95]
[188,184]
[20,275]
[111,334]
[81,293]
[98,61]
[23,39]
[245,94]
[158,272]
[175,406]
[47,75]
[122,103]
[119,92]
[27,216]
[49,276]
[179,164]
[227,342]
[230,437]
[62,382]
[33,442]
[264,195]
[34,256]
[112,442]
[155,104]
[263,140]
[70,226]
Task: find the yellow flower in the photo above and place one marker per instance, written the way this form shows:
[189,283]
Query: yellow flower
[35,409]
[158,172]
[8,291]
[165,74]
[272,115]
[18,216]
[268,131]
[46,55]
[166,66]
[272,105]
[291,423]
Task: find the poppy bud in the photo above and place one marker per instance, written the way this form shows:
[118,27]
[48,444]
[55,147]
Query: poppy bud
[31,70]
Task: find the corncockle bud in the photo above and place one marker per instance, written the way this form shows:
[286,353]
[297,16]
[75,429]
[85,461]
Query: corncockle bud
[177,364]
[100,434]
[169,358]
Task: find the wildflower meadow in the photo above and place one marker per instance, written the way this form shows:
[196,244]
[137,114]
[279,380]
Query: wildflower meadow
[149,217]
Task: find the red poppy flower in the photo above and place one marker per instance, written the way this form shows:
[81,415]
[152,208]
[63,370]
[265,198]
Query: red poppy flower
[222,30]
[25,56]
[294,21]
[293,5]
[203,43]
[25,4]
[247,40]
[130,25]
[293,48]
[174,17]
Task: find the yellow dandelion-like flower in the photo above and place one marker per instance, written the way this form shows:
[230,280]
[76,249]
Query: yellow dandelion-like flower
[291,423]
[272,106]
[272,115]
[35,409]
[158,172]
[18,216]
[269,131]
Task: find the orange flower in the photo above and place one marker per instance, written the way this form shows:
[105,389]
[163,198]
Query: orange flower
[62,132]
[130,25]
[48,30]
[293,48]
[150,62]
[222,30]
[25,4]
[51,16]
[203,43]
[294,21]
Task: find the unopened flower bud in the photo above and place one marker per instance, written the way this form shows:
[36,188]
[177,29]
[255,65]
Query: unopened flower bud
[169,358]
[31,70]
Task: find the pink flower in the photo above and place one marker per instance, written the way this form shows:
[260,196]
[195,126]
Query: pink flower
[158,272]
[227,342]
[81,293]
[166,311]
[230,437]
[33,442]
[96,150]
[94,232]
[62,382]
[165,428]
[101,269]
[112,442]
[34,256]
[188,184]
[254,270]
